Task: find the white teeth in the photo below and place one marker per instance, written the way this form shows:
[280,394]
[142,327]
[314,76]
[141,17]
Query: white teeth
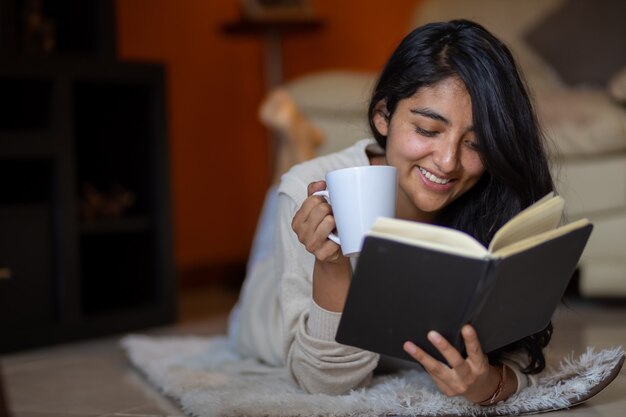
[433,178]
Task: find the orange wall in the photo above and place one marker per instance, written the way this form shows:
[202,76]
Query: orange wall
[358,34]
[218,149]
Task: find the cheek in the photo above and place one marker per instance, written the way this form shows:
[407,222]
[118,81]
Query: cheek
[405,147]
[473,166]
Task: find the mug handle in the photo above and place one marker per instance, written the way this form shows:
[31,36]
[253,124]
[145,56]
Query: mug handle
[332,236]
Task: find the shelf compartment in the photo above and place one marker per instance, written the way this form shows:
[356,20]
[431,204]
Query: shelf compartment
[115,142]
[28,181]
[67,27]
[25,104]
[117,272]
[28,291]
[114,226]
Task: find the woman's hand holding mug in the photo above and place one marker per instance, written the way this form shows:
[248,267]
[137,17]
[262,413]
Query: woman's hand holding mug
[358,196]
[313,223]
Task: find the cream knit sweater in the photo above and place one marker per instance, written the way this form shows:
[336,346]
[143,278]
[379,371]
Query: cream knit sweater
[279,323]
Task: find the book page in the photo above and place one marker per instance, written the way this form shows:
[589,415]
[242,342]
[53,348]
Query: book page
[532,241]
[545,214]
[427,235]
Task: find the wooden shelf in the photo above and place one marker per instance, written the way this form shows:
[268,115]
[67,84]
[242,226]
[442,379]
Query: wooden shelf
[116,226]
[272,31]
[100,122]
[256,27]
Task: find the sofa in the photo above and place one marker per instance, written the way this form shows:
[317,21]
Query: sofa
[585,122]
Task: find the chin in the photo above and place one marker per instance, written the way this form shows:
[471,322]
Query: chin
[430,209]
[431,206]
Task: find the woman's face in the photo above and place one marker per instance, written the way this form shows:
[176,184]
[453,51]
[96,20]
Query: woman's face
[431,141]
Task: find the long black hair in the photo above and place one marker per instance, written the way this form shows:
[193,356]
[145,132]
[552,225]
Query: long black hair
[510,141]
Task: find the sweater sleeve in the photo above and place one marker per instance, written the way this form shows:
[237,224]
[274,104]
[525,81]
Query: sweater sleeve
[315,361]
[515,361]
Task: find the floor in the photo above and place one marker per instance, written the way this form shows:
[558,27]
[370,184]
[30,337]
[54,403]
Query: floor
[93,378]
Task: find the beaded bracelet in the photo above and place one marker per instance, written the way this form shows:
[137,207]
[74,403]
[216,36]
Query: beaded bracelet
[493,398]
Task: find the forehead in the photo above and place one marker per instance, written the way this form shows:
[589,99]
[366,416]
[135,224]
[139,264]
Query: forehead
[447,100]
[451,88]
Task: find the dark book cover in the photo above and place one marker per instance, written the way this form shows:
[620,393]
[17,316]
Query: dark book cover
[527,288]
[399,292]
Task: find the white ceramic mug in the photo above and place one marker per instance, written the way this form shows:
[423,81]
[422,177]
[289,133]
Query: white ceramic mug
[358,196]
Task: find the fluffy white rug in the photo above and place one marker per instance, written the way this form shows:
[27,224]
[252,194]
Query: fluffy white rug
[208,379]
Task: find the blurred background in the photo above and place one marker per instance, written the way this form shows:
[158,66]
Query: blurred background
[133,165]
[216,80]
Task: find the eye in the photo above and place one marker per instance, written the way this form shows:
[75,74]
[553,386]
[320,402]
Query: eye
[424,132]
[473,145]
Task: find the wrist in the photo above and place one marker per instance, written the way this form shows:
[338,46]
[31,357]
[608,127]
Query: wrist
[505,386]
[487,386]
[331,281]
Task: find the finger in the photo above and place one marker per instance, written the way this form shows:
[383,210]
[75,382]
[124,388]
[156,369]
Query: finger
[315,187]
[452,356]
[326,223]
[432,365]
[317,225]
[472,345]
[321,215]
[298,223]
[448,380]
[302,219]
[329,252]
[311,202]
[319,236]
[313,222]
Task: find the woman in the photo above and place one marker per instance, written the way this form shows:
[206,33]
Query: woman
[452,114]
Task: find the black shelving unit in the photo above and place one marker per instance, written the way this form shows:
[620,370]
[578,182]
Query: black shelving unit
[85,229]
[76,27]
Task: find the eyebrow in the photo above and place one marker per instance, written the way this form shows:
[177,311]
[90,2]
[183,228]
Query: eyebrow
[431,114]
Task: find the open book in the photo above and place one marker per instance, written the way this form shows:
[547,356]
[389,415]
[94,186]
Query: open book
[412,278]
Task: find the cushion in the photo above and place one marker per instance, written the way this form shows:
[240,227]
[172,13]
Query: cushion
[336,102]
[583,40]
[333,91]
[582,121]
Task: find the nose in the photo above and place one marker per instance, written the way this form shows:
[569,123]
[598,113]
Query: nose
[446,155]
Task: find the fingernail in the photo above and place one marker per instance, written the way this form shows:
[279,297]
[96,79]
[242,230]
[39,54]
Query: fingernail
[410,348]
[434,336]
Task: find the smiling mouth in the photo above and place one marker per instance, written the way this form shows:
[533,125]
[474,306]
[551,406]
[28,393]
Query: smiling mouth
[433,178]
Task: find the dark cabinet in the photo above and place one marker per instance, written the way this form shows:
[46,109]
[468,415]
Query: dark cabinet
[85,229]
[28,292]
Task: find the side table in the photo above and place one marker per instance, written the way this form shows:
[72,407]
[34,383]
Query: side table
[272,31]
